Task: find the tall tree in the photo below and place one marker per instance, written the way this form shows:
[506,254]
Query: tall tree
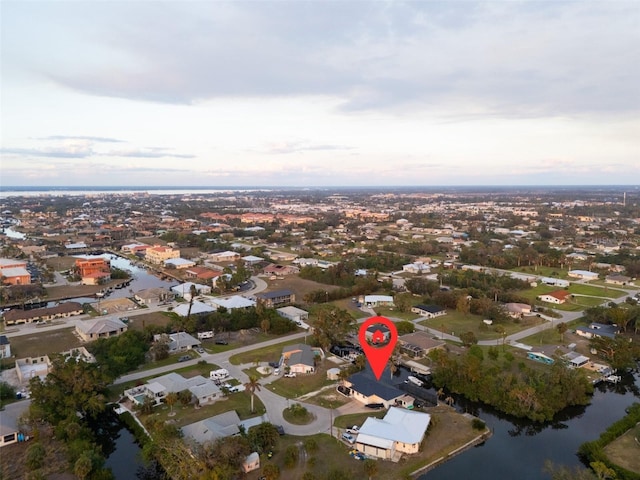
[332,325]
[252,386]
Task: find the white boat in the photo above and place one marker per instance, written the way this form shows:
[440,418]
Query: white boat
[415,381]
[613,378]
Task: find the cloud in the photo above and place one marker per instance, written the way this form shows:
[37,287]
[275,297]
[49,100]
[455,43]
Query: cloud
[82,137]
[507,58]
[154,152]
[300,146]
[73,151]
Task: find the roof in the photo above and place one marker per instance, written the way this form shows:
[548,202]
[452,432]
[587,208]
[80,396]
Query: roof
[421,339]
[101,325]
[430,308]
[398,425]
[196,308]
[378,298]
[185,288]
[183,339]
[180,261]
[275,294]
[292,311]
[66,307]
[223,425]
[364,383]
[236,301]
[7,262]
[15,272]
[300,354]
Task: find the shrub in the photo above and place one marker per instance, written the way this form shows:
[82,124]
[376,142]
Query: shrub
[478,424]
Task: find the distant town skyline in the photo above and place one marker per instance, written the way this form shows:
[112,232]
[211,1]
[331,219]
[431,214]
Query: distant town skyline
[319,93]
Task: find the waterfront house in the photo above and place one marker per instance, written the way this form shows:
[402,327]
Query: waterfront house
[598,330]
[400,431]
[91,330]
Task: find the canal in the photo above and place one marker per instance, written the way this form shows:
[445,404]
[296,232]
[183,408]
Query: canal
[519,448]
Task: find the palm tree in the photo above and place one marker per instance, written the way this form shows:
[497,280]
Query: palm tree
[252,386]
[393,368]
[440,393]
[562,328]
[449,400]
[192,294]
[171,399]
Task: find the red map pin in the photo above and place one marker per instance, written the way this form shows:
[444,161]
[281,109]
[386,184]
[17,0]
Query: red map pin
[377,356]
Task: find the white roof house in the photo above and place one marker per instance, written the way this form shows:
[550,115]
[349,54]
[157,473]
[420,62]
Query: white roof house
[400,431]
[374,300]
[197,308]
[182,341]
[179,263]
[231,303]
[184,289]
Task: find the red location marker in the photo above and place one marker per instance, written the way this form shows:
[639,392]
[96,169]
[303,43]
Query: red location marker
[378,356]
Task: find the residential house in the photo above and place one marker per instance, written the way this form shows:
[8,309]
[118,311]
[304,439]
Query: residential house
[5,347]
[210,429]
[158,254]
[300,358]
[251,462]
[63,310]
[598,330]
[294,314]
[91,330]
[276,298]
[378,300]
[134,248]
[365,388]
[233,303]
[195,308]
[179,263]
[203,390]
[558,297]
[277,269]
[184,289]
[14,272]
[224,257]
[202,273]
[182,341]
[583,274]
[251,260]
[419,344]
[154,296]
[555,282]
[617,279]
[400,431]
[429,311]
[416,268]
[517,310]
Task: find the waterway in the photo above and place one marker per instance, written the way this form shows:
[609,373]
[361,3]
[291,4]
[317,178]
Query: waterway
[519,448]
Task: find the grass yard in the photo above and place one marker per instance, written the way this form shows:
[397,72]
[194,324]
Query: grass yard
[392,312]
[299,286]
[625,450]
[170,360]
[328,398]
[184,415]
[595,291]
[346,421]
[271,353]
[139,322]
[44,343]
[544,271]
[458,323]
[449,430]
[302,384]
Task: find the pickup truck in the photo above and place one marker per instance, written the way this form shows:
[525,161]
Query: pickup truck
[353,430]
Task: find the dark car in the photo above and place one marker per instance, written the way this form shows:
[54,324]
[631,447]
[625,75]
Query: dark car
[222,342]
[274,364]
[280,429]
[375,406]
[184,358]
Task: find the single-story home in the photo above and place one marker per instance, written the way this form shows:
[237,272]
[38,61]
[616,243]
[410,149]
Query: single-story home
[517,310]
[429,311]
[400,431]
[153,296]
[179,263]
[181,341]
[378,300]
[202,273]
[556,282]
[204,390]
[234,302]
[63,310]
[583,274]
[197,308]
[558,297]
[364,387]
[575,360]
[416,267]
[184,289]
[598,330]
[418,344]
[294,314]
[300,358]
[277,269]
[227,256]
[91,330]
[617,279]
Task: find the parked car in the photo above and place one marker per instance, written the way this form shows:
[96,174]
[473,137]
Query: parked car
[222,342]
[274,364]
[375,406]
[276,371]
[355,429]
[290,375]
[199,349]
[184,358]
[348,438]
[280,429]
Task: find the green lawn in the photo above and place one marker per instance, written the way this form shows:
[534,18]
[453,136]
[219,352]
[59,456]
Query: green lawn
[595,291]
[345,421]
[392,312]
[328,398]
[266,354]
[302,384]
[544,271]
[171,359]
[44,343]
[184,415]
[458,323]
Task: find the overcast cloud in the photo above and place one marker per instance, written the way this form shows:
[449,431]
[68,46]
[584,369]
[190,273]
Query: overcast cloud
[232,86]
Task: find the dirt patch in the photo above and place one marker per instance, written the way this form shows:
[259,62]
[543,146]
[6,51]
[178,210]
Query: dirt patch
[114,305]
[139,322]
[625,450]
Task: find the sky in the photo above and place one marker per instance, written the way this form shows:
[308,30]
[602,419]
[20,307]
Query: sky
[319,93]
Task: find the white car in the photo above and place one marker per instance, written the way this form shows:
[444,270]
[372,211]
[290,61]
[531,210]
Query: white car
[276,371]
[349,438]
[290,375]
[355,429]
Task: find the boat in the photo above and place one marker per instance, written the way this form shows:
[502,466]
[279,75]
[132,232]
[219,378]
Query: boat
[613,378]
[415,381]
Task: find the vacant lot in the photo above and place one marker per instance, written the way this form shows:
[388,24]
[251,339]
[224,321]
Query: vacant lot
[625,450]
[298,285]
[458,323]
[45,343]
[139,322]
[266,354]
